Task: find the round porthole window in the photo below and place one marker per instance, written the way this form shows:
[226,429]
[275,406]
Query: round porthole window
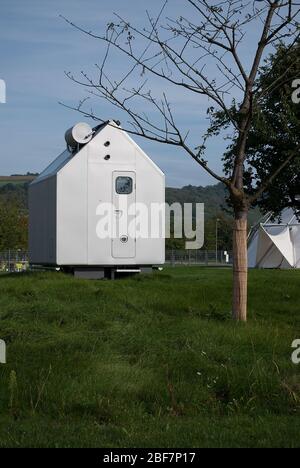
[107,157]
[124,239]
[107,143]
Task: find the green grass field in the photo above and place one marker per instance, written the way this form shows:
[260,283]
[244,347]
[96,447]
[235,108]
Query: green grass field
[151,361]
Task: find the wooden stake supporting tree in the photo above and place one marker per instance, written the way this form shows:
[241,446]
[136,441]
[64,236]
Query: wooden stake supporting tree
[176,52]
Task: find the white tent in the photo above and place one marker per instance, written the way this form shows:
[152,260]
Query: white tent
[275,243]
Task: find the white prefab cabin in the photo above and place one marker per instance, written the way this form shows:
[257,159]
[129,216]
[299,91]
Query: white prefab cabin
[100,166]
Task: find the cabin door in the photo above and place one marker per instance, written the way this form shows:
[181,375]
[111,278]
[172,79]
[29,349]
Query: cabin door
[124,212]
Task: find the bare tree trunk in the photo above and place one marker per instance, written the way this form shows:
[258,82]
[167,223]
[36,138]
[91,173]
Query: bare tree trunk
[240,268]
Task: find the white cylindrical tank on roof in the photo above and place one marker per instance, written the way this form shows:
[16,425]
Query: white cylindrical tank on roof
[80,134]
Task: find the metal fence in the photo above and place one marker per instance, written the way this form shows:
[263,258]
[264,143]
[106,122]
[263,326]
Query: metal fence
[198,257]
[17,261]
[13,261]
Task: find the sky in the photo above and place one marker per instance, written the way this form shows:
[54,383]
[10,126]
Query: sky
[37,46]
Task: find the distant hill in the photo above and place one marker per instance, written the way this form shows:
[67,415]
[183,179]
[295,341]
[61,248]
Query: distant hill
[213,196]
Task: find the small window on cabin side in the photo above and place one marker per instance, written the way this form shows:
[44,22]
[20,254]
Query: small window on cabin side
[124,185]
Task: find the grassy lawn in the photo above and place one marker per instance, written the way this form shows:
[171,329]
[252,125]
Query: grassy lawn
[152,361]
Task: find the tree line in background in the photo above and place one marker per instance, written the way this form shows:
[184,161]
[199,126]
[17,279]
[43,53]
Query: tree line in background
[13,218]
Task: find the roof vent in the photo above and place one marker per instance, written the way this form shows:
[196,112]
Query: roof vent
[80,134]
